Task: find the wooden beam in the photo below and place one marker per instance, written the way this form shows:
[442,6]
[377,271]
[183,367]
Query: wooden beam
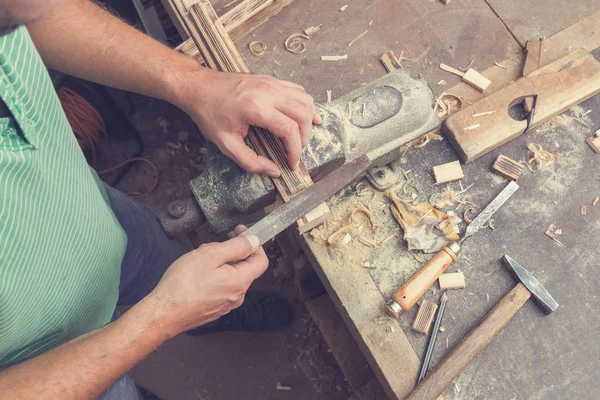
[219,53]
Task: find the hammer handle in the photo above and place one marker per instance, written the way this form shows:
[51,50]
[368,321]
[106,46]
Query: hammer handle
[437,381]
[415,287]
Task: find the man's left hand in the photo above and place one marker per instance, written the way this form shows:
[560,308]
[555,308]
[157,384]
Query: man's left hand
[224,105]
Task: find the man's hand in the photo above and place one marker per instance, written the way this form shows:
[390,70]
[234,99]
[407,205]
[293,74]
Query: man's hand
[201,286]
[224,105]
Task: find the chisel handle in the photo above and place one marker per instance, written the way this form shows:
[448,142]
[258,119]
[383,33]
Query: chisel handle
[415,287]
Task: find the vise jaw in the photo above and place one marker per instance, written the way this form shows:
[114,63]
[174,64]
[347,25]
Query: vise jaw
[376,119]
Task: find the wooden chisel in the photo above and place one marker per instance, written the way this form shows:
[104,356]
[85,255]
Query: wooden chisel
[406,297]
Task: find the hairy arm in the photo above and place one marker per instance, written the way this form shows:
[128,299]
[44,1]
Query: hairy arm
[84,40]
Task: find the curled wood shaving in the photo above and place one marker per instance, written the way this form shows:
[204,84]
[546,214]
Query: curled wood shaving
[257,47]
[341,237]
[540,157]
[368,241]
[500,65]
[363,210]
[471,211]
[447,104]
[468,66]
[423,140]
[295,43]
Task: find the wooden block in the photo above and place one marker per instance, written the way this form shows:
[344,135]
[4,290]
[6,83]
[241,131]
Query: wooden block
[476,80]
[424,317]
[508,168]
[559,86]
[594,142]
[454,280]
[389,61]
[583,209]
[449,172]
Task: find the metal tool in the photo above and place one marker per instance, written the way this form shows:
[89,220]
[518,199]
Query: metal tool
[528,287]
[376,119]
[409,293]
[288,213]
[436,327]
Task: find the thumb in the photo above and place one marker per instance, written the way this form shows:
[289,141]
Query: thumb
[236,249]
[245,157]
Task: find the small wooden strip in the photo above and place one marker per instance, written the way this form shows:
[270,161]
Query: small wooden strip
[449,172]
[508,168]
[594,142]
[476,80]
[425,317]
[454,280]
[583,209]
[390,61]
[452,70]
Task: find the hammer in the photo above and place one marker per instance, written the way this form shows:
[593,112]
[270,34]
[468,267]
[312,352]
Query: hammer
[449,368]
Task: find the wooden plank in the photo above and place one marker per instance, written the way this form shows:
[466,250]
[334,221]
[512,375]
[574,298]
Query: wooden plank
[533,56]
[476,80]
[448,172]
[594,142]
[351,360]
[508,168]
[390,61]
[559,85]
[384,344]
[425,317]
[219,53]
[453,280]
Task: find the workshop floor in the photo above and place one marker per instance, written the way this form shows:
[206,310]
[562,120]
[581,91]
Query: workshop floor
[249,366]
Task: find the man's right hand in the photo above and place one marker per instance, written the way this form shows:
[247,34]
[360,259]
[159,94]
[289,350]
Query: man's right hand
[201,286]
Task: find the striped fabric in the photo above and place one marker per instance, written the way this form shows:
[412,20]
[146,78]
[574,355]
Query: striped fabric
[61,246]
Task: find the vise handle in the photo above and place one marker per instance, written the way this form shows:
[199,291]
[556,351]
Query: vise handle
[409,293]
[449,368]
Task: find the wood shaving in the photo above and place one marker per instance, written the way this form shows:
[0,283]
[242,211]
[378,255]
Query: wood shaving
[257,47]
[595,201]
[500,65]
[470,128]
[467,68]
[540,157]
[363,210]
[312,30]
[334,58]
[471,211]
[552,232]
[442,83]
[344,8]
[282,387]
[448,197]
[481,114]
[329,96]
[422,141]
[295,43]
[447,104]
[368,241]
[341,237]
[357,38]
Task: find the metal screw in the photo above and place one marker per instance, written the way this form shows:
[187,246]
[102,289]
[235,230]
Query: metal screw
[381,173]
[177,209]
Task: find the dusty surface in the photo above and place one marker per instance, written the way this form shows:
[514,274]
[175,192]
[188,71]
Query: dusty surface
[534,357]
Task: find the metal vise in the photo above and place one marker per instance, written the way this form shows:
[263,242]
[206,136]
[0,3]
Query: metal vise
[377,118]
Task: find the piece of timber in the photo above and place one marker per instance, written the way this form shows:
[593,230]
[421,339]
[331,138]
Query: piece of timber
[558,86]
[533,57]
[425,317]
[594,141]
[238,22]
[448,172]
[219,53]
[508,168]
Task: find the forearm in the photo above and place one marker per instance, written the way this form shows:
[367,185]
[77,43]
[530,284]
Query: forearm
[85,367]
[86,41]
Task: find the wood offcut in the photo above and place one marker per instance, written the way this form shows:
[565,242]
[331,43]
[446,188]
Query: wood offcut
[594,141]
[390,61]
[508,168]
[449,172]
[454,280]
[561,84]
[425,317]
[472,77]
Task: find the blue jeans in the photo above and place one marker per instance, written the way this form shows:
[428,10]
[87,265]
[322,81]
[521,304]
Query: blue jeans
[149,253]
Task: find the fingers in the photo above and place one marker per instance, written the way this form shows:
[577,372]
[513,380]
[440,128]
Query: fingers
[236,149]
[235,249]
[283,127]
[254,266]
[316,118]
[303,117]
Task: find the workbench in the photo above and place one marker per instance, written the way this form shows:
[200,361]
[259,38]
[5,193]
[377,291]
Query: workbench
[534,356]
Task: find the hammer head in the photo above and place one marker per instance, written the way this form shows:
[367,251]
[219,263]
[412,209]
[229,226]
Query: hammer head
[539,294]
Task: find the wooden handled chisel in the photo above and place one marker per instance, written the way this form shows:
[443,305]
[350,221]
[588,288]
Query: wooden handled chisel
[409,293]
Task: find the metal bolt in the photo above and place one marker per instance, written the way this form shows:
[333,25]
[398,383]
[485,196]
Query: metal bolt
[177,209]
[381,173]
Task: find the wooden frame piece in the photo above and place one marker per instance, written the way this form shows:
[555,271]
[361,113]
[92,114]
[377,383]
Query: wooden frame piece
[448,172]
[425,317]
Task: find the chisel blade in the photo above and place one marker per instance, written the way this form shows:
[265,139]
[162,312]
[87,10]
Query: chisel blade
[487,213]
[287,214]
